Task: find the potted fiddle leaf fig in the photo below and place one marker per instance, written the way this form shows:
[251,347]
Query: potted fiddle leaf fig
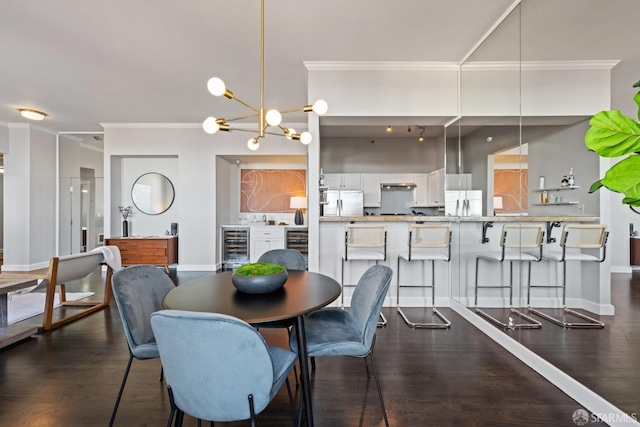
[613,134]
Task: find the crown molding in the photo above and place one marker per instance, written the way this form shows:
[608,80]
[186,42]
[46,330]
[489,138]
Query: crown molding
[91,147]
[248,126]
[540,65]
[379,66]
[150,125]
[30,126]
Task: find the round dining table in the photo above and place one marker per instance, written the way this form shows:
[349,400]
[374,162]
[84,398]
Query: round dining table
[302,293]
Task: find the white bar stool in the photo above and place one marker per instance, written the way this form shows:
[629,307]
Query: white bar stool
[577,237]
[364,242]
[426,243]
[513,240]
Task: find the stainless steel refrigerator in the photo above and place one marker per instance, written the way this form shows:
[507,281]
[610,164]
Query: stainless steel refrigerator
[463,203]
[343,203]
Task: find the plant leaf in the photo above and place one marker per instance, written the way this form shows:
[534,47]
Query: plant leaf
[613,134]
[637,99]
[623,177]
[595,186]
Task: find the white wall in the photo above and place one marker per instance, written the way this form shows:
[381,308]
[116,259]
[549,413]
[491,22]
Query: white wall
[194,153]
[29,192]
[141,224]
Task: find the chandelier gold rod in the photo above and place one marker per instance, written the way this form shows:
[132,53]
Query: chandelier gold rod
[246,105]
[241,117]
[295,110]
[261,118]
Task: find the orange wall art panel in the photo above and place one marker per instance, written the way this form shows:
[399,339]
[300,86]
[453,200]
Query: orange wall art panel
[511,185]
[270,190]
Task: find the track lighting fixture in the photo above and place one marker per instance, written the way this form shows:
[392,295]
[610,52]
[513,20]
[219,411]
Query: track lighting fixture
[389,128]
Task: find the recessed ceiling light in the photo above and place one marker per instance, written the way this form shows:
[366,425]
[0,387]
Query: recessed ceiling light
[32,114]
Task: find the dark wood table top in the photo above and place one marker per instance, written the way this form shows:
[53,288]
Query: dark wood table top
[303,293]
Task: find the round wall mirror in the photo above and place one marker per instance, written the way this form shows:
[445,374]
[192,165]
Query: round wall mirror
[152,193]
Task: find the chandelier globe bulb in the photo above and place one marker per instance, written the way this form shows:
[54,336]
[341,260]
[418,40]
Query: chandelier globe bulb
[210,125]
[320,107]
[216,86]
[253,144]
[274,118]
[305,138]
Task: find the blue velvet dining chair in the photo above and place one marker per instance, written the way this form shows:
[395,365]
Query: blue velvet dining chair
[338,332]
[288,258]
[138,291]
[218,367]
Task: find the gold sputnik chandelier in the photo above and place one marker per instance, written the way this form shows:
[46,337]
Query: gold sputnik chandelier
[266,119]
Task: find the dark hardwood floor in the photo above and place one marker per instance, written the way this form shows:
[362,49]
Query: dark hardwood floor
[458,377]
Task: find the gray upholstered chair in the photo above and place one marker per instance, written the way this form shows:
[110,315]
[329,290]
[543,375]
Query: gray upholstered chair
[138,291]
[288,258]
[338,332]
[218,367]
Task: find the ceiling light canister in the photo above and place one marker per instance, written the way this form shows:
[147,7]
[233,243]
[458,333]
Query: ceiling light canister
[389,129]
[32,114]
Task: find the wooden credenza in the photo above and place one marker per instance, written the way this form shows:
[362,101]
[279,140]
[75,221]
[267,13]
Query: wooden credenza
[634,249]
[160,251]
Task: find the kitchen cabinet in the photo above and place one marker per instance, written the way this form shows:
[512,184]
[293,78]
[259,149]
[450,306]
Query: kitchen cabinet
[349,181]
[263,239]
[397,178]
[436,188]
[421,192]
[371,190]
[458,181]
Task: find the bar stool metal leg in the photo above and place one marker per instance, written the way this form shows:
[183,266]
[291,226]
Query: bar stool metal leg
[512,322]
[424,325]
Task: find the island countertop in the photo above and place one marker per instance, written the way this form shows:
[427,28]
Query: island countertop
[429,218]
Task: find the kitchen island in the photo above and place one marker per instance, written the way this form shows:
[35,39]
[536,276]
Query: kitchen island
[588,284]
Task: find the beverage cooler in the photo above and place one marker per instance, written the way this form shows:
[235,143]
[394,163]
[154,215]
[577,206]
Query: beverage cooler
[235,247]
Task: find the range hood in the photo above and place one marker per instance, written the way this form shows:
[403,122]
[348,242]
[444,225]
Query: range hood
[397,186]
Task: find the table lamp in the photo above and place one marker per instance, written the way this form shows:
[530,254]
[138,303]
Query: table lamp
[497,204]
[298,203]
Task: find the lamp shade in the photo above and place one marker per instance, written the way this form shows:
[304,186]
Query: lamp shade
[298,203]
[497,202]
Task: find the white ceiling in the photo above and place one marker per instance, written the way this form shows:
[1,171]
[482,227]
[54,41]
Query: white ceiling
[140,61]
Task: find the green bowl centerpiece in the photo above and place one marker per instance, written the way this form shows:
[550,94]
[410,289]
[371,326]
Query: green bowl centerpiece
[259,278]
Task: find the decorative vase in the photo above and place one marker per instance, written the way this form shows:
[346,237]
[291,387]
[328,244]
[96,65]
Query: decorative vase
[125,228]
[259,284]
[298,219]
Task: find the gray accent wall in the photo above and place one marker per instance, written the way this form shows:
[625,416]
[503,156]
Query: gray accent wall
[383,155]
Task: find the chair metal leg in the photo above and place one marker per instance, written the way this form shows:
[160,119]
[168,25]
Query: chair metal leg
[124,381]
[291,401]
[161,373]
[590,322]
[179,418]
[252,411]
[375,375]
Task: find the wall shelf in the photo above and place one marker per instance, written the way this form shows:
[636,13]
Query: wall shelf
[571,187]
[556,204]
